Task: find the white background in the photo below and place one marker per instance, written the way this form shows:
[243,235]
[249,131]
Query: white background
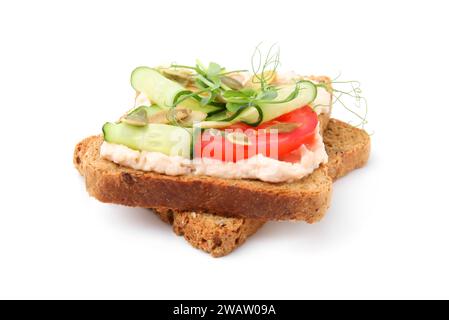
[64,70]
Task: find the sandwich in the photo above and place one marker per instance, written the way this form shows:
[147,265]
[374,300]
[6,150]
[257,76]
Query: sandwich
[223,148]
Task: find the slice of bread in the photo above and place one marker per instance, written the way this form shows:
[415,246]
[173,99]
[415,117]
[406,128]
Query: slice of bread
[307,199]
[348,149]
[213,234]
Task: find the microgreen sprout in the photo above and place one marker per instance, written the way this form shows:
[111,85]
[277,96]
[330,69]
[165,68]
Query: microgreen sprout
[264,70]
[213,85]
[341,90]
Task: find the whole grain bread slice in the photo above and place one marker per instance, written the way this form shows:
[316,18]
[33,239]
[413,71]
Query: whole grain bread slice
[307,199]
[348,149]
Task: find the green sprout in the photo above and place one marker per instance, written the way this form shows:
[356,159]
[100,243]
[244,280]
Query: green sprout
[214,85]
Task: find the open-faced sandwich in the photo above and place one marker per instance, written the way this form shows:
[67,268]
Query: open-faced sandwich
[218,152]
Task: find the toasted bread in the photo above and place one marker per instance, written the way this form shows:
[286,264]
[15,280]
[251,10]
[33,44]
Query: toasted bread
[348,149]
[306,199]
[213,234]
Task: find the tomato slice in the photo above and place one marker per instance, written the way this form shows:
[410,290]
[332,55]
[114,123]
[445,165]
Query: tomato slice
[241,141]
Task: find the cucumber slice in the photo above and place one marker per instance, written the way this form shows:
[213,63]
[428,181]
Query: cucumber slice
[163,91]
[150,110]
[307,94]
[169,140]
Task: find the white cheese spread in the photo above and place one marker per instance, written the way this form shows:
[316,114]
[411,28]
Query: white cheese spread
[323,101]
[257,167]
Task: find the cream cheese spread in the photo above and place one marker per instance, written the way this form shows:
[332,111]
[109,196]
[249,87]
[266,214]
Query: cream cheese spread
[257,167]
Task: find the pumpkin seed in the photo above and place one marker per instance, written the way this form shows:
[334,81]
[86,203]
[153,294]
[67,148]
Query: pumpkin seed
[238,137]
[284,127]
[171,115]
[231,83]
[194,117]
[178,114]
[159,117]
[138,118]
[181,76]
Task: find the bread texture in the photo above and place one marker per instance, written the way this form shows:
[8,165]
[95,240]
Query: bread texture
[348,149]
[306,199]
[213,234]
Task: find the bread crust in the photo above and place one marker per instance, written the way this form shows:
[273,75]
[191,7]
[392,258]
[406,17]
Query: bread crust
[307,199]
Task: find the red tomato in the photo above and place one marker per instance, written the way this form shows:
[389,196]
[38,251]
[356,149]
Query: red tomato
[229,145]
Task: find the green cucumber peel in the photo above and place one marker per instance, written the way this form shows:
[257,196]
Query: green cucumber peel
[166,139]
[164,92]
